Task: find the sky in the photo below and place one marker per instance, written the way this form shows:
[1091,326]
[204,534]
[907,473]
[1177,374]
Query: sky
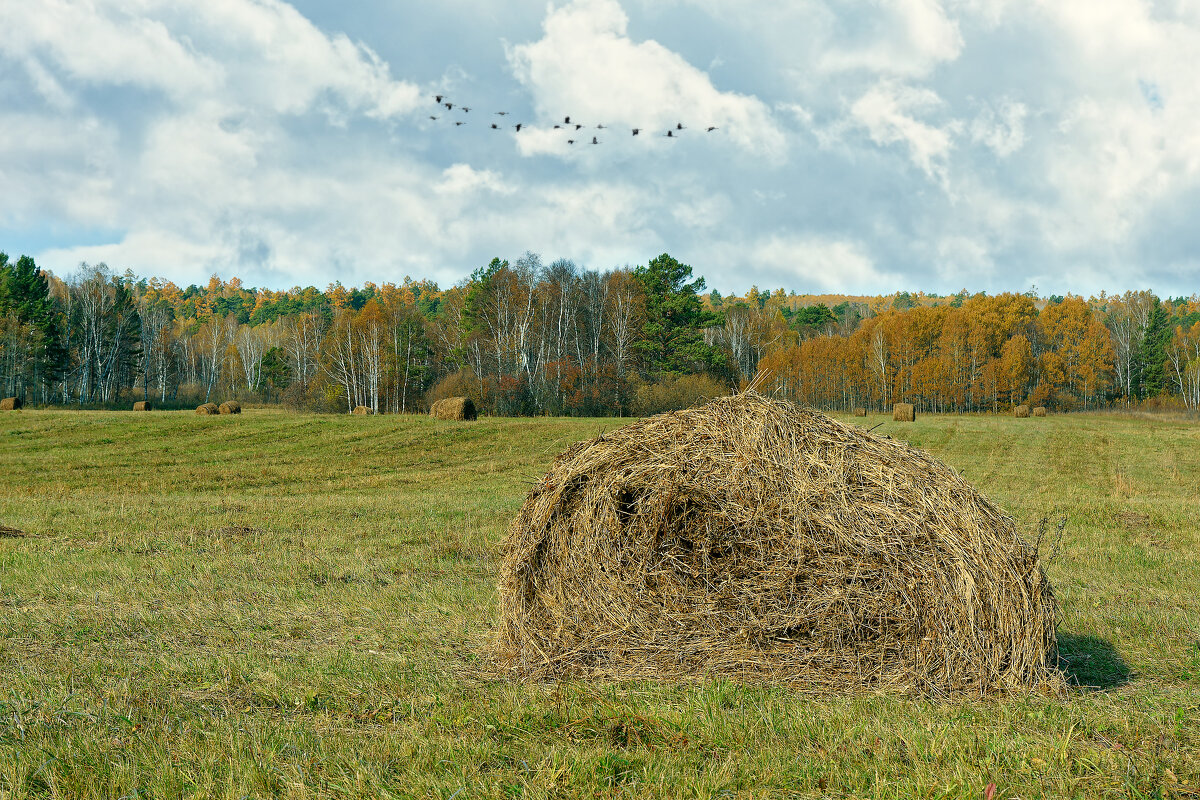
[860,146]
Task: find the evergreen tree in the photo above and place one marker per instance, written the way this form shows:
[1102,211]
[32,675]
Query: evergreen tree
[1152,355]
[672,338]
[29,315]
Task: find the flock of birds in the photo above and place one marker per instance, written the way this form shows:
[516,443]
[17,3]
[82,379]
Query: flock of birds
[567,124]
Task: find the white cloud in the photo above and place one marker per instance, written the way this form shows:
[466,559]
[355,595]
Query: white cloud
[888,110]
[907,38]
[803,261]
[585,66]
[1001,128]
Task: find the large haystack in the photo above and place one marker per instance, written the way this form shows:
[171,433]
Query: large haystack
[208,408]
[904,412]
[1039,411]
[141,405]
[230,407]
[10,404]
[363,410]
[459,408]
[1021,411]
[753,539]
[860,412]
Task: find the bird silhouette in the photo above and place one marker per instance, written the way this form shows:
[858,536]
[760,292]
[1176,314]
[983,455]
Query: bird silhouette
[466,110]
[594,140]
[502,113]
[567,120]
[710,128]
[518,126]
[449,106]
[636,131]
[678,126]
[438,98]
[600,126]
[570,141]
[460,122]
[577,126]
[670,134]
[558,127]
[495,127]
[432,117]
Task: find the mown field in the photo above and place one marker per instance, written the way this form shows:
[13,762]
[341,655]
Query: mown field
[293,605]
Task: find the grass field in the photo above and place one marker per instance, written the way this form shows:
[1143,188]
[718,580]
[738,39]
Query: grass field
[294,605]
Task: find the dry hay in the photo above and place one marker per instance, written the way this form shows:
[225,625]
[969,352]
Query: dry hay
[904,412]
[753,539]
[453,408]
[367,410]
[1039,411]
[10,404]
[208,408]
[860,412]
[141,405]
[1021,411]
[230,407]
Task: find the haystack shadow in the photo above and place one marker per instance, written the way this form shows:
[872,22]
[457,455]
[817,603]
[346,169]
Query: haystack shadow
[1091,663]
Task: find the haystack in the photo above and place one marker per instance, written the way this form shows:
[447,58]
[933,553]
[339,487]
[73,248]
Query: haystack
[363,410]
[1021,411]
[753,539]
[10,404]
[453,408]
[904,412]
[208,408]
[1039,411]
[860,412]
[141,405]
[230,407]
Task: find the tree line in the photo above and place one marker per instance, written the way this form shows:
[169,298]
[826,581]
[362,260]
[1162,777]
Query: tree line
[525,337]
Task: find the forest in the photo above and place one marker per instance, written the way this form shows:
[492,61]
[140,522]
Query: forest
[529,338]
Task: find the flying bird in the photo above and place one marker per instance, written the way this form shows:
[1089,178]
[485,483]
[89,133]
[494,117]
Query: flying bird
[502,113]
[600,126]
[594,141]
[710,128]
[449,106]
[567,120]
[678,126]
[570,141]
[460,122]
[465,109]
[518,126]
[670,134]
[577,126]
[495,127]
[558,127]
[432,117]
[438,97]
[636,131]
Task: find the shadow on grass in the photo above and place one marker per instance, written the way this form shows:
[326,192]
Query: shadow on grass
[1090,662]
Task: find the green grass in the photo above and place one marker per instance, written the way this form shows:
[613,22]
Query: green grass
[296,605]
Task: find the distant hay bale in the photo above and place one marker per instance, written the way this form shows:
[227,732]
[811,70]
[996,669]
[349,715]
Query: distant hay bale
[230,407]
[208,408]
[904,412]
[1021,411]
[860,412]
[1039,411]
[755,540]
[459,408]
[141,405]
[10,404]
[363,410]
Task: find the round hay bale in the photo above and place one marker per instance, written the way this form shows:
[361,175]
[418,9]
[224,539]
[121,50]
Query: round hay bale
[904,412]
[208,408]
[230,407]
[860,412]
[10,404]
[142,405]
[459,408]
[1039,411]
[363,410]
[756,540]
[1021,411]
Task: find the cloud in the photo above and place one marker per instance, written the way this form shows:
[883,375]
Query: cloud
[906,38]
[586,66]
[888,112]
[1001,128]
